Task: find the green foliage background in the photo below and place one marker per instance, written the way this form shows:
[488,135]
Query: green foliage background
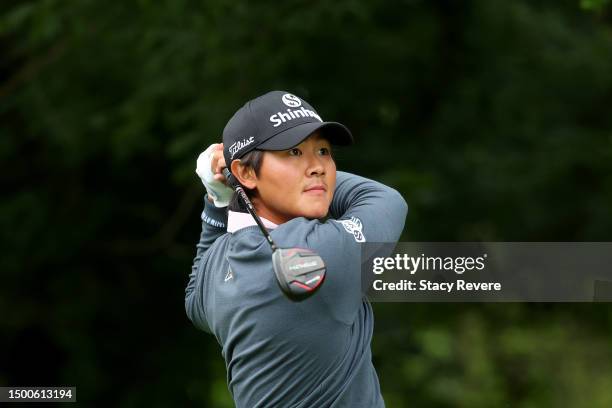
[491,117]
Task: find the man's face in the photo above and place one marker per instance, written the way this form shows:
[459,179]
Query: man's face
[298,182]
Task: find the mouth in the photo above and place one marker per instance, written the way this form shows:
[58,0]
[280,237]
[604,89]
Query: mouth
[316,189]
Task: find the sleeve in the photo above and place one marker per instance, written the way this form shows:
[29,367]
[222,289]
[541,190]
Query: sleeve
[362,210]
[214,225]
[377,211]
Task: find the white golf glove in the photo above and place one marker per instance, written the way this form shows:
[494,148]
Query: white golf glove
[217,190]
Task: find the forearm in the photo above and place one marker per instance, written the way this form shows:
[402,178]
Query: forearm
[356,194]
[214,224]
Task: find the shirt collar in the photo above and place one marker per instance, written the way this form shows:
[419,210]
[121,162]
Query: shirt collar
[239,220]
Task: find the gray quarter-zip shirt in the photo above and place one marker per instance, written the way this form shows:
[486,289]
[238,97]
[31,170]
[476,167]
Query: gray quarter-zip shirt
[279,353]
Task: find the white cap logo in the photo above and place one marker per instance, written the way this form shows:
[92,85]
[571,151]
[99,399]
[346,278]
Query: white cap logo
[291,100]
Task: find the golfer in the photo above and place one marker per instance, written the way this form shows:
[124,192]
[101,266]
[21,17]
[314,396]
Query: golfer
[281,353]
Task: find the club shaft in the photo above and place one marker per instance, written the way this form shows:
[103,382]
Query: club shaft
[238,188]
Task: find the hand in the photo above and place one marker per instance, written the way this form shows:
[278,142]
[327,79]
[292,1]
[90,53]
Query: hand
[217,163]
[210,165]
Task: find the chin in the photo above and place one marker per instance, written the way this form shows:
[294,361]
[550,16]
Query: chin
[316,213]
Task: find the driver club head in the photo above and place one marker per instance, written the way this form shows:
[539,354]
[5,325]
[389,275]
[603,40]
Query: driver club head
[299,272]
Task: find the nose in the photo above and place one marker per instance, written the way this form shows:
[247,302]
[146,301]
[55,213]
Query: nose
[315,165]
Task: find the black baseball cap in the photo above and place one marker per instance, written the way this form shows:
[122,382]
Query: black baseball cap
[277,120]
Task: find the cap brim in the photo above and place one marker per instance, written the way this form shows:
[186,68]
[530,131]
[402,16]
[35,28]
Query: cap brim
[335,132]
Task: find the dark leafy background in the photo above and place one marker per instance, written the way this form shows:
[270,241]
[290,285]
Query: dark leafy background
[491,117]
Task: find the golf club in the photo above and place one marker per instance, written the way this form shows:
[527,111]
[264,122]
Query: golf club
[299,272]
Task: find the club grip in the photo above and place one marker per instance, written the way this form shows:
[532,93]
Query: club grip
[230,178]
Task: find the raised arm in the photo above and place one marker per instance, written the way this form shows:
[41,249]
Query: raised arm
[379,209]
[362,211]
[214,224]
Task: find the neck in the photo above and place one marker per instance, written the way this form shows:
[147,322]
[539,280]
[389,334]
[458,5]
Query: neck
[263,211]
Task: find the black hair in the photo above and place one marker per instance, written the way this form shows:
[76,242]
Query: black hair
[252,159]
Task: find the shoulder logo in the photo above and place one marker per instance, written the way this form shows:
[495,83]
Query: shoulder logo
[291,100]
[229,275]
[354,227]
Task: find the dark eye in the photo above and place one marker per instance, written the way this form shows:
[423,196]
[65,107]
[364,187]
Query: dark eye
[295,152]
[324,151]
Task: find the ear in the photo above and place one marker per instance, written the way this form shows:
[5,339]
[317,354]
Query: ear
[244,174]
